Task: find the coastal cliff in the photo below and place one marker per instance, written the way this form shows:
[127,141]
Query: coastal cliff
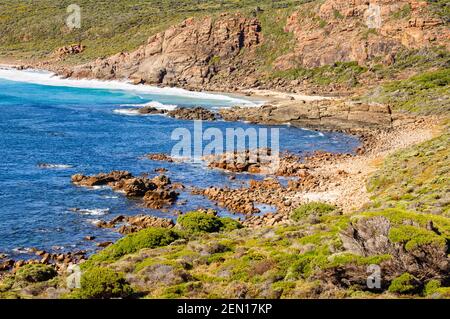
[329,48]
[184,54]
[339,219]
[231,51]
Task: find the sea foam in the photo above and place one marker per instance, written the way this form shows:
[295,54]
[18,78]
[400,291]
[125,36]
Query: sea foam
[135,110]
[51,79]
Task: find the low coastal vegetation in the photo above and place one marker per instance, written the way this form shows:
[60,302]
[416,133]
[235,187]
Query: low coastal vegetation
[35,29]
[415,179]
[321,252]
[340,72]
[102,283]
[293,261]
[425,93]
[314,208]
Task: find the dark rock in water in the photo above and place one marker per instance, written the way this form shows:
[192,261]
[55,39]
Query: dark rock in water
[89,238]
[156,192]
[101,179]
[136,187]
[160,158]
[118,219]
[192,114]
[150,110]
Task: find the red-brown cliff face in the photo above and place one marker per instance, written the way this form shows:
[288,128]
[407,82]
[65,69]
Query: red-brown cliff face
[207,53]
[360,30]
[186,53]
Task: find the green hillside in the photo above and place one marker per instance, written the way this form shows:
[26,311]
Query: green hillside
[31,28]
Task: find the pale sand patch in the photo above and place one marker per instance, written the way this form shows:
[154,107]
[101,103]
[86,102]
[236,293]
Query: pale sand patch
[283,96]
[349,191]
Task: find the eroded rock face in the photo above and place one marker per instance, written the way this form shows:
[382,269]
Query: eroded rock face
[206,53]
[156,192]
[69,50]
[186,53]
[343,35]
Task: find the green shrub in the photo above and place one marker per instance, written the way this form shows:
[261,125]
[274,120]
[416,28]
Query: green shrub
[405,284]
[229,224]
[317,208]
[425,93]
[198,222]
[414,237]
[102,283]
[147,238]
[432,287]
[6,283]
[35,273]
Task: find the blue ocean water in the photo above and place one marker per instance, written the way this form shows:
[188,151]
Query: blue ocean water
[78,127]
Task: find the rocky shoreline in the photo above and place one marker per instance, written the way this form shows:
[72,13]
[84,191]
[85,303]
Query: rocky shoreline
[336,179]
[333,178]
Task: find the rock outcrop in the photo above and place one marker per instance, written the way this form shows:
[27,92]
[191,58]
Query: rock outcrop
[69,50]
[180,113]
[133,224]
[150,110]
[192,114]
[346,31]
[259,161]
[420,251]
[325,114]
[186,53]
[160,157]
[156,192]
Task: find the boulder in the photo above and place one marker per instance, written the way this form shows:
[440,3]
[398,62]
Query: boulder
[192,114]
